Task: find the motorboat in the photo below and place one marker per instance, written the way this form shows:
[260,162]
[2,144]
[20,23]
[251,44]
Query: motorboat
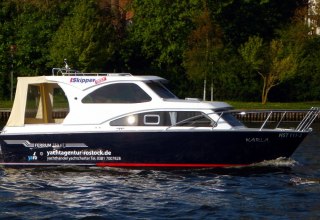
[69,118]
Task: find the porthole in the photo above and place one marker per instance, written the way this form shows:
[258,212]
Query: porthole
[151,119]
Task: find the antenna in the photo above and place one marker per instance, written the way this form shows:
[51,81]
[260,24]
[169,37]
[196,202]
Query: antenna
[66,66]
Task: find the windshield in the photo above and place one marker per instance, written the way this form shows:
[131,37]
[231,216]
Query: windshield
[161,90]
[231,119]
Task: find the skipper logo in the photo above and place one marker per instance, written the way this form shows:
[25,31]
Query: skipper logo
[87,80]
[81,80]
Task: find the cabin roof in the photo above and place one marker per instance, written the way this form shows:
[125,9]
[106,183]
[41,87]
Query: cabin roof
[46,85]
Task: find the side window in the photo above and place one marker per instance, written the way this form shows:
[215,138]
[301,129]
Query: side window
[163,118]
[60,107]
[144,119]
[192,119]
[118,93]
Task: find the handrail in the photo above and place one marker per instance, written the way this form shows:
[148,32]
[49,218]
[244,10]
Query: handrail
[63,71]
[308,119]
[71,72]
[303,125]
[282,117]
[266,121]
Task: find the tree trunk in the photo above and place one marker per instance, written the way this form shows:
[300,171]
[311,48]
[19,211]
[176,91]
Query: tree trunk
[211,90]
[268,83]
[204,89]
[264,90]
[264,98]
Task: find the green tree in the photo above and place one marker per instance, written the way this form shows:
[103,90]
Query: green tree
[6,40]
[297,39]
[31,39]
[161,28]
[35,23]
[203,58]
[158,37]
[240,19]
[271,62]
[86,38]
[305,86]
[25,30]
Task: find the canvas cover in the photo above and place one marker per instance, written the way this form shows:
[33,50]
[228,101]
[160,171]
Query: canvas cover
[17,116]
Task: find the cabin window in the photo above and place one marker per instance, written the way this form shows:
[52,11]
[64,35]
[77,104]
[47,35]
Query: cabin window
[192,119]
[118,93]
[60,105]
[161,90]
[60,101]
[165,118]
[151,119]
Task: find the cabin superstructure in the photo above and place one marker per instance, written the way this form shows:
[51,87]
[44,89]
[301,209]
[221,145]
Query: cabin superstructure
[104,100]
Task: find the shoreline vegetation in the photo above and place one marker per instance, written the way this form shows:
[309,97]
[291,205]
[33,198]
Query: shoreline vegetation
[253,50]
[6,105]
[274,105]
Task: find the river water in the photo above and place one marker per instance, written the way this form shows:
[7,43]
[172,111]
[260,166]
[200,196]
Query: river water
[281,189]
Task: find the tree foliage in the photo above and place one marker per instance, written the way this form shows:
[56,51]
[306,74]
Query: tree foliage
[185,41]
[86,38]
[306,84]
[158,37]
[242,19]
[203,57]
[161,28]
[270,61]
[205,44]
[25,30]
[6,33]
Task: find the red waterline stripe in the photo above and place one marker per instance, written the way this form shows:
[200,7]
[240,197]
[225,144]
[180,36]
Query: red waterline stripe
[102,164]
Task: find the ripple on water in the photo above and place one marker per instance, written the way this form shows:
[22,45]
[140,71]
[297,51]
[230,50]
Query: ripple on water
[273,189]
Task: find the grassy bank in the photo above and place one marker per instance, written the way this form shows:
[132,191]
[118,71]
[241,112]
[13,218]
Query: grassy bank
[274,105]
[5,104]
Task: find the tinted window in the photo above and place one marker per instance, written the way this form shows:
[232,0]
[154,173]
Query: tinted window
[118,93]
[193,119]
[162,118]
[161,90]
[231,119]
